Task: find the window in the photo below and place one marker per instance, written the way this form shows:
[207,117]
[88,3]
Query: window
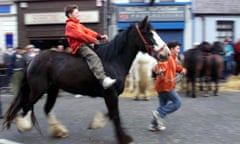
[225,28]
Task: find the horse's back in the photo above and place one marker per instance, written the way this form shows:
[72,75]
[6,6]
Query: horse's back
[63,70]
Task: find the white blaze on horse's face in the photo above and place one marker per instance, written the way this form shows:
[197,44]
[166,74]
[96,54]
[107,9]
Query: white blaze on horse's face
[161,50]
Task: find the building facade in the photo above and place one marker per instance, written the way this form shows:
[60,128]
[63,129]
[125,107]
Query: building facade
[216,19]
[42,22]
[8,25]
[171,19]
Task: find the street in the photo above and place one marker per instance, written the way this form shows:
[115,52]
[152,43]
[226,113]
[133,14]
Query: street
[203,120]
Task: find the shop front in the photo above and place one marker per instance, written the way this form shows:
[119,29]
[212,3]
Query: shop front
[42,23]
[169,20]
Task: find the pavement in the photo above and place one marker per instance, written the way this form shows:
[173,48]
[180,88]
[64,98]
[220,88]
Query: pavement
[203,120]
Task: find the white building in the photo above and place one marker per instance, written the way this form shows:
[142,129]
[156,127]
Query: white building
[8,24]
[215,19]
[172,19]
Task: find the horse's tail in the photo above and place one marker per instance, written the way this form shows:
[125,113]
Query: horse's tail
[18,102]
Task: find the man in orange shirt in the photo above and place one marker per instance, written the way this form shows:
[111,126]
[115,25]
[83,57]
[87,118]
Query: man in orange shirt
[165,83]
[79,38]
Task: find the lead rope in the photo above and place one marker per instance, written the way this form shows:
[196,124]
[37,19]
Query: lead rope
[177,79]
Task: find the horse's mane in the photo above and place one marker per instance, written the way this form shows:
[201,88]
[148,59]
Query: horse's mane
[112,48]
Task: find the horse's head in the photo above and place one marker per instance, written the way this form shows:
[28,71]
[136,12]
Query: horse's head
[218,48]
[153,44]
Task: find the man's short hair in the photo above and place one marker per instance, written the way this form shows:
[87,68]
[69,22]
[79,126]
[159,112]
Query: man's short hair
[69,9]
[173,44]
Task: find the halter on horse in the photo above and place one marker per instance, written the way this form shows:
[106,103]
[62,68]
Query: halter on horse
[50,71]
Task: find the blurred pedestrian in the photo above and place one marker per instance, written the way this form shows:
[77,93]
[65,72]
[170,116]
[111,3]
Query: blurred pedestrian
[169,100]
[19,63]
[9,65]
[30,52]
[2,64]
[228,58]
[236,48]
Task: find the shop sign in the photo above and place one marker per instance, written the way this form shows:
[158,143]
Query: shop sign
[59,17]
[9,39]
[156,13]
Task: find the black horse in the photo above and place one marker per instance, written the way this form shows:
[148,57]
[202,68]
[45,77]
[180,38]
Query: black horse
[193,62]
[50,71]
[214,68]
[203,63]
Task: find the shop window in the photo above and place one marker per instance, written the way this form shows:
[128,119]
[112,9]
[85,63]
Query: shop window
[225,28]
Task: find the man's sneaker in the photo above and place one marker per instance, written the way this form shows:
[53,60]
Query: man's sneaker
[154,128]
[108,82]
[158,119]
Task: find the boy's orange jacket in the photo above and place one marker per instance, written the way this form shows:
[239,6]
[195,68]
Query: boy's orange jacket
[167,81]
[78,35]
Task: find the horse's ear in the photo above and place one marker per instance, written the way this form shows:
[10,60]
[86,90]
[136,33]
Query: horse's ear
[144,23]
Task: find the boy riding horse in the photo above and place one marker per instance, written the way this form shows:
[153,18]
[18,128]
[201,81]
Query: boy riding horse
[79,38]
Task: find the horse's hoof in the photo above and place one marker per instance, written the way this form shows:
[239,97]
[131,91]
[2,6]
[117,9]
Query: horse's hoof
[60,133]
[99,121]
[24,123]
[58,130]
[136,99]
[146,98]
[206,95]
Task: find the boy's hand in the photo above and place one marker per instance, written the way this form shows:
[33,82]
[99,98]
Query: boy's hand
[183,72]
[103,37]
[96,42]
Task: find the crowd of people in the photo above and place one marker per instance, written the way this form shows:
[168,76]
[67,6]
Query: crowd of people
[13,61]
[231,57]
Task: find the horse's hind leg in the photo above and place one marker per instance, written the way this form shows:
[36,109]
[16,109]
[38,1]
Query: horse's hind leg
[56,128]
[208,86]
[113,108]
[193,81]
[25,122]
[215,92]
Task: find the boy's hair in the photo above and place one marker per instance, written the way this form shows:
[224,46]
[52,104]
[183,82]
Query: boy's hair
[69,9]
[173,44]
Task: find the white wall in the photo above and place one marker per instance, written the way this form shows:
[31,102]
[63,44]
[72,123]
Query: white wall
[205,28]
[188,35]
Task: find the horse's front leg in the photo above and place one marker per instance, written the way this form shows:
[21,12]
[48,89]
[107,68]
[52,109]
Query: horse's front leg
[56,128]
[111,101]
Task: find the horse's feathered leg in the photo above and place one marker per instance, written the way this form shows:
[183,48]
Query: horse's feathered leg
[111,100]
[56,128]
[25,121]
